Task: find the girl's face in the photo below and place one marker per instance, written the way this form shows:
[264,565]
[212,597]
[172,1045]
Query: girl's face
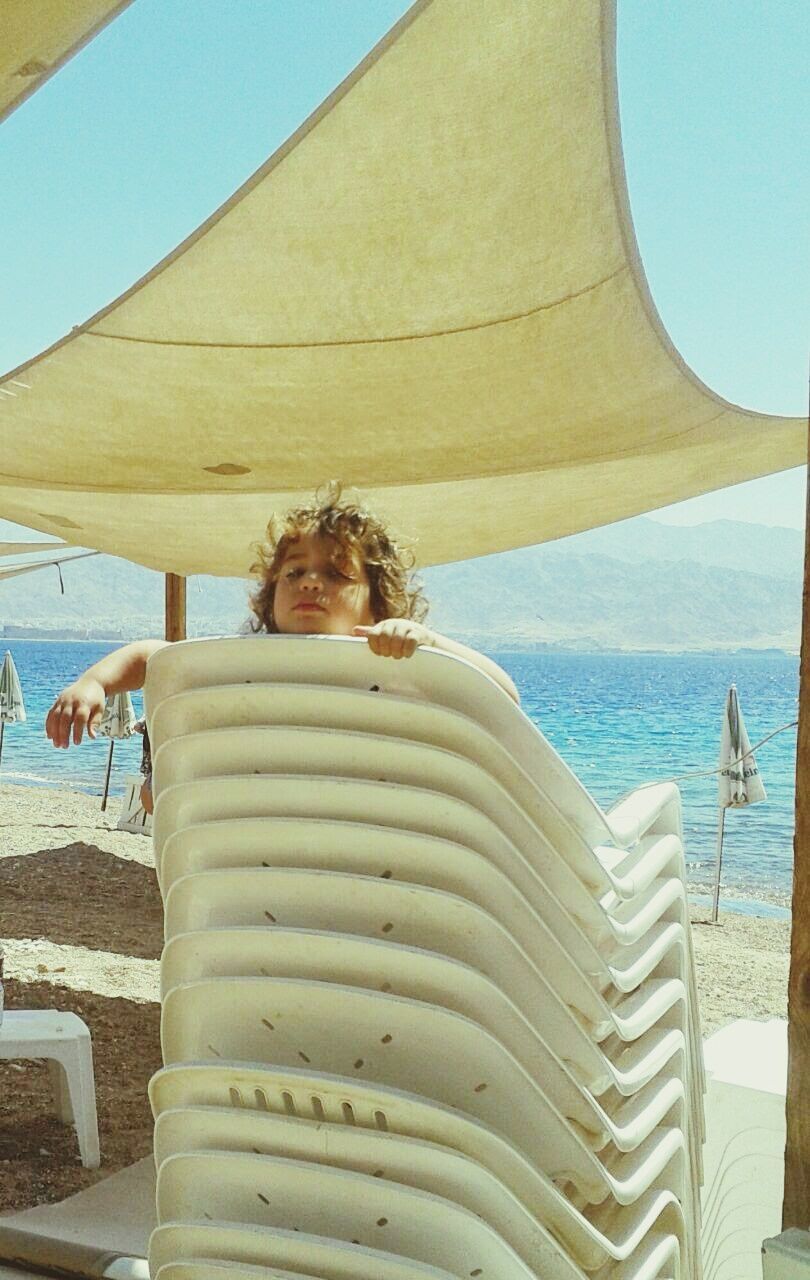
[321,589]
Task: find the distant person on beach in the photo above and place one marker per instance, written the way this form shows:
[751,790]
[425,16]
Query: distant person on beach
[330,568]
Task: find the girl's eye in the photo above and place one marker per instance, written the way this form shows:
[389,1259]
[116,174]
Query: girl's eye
[338,573]
[290,574]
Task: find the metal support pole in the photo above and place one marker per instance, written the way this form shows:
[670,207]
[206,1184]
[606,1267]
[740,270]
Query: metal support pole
[718,862]
[107,779]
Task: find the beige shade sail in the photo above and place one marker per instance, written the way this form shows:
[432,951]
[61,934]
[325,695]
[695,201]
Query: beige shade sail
[14,570]
[37,37]
[27,548]
[432,292]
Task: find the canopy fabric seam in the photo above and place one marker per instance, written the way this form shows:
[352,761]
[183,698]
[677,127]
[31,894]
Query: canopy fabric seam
[360,342]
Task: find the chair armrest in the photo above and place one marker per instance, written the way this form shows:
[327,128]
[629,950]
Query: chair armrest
[646,809]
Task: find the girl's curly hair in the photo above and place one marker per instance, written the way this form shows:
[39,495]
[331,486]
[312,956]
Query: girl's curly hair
[395,592]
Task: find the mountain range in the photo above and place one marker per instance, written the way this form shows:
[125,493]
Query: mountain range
[639,584]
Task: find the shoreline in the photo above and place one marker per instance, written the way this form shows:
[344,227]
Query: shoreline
[489,644]
[742,900]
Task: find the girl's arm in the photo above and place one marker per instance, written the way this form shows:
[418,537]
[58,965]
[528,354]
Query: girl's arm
[400,637]
[81,704]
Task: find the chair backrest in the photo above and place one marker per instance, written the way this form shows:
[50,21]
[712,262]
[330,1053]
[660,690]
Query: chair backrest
[411,1162]
[433,676]
[382,1038]
[608,1232]
[412,914]
[335,1202]
[422,975]
[360,711]
[416,809]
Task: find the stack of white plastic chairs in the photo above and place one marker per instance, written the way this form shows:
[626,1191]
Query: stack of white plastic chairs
[427,1010]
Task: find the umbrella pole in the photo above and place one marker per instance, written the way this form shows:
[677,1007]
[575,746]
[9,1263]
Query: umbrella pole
[718,862]
[797,1150]
[107,779]
[2,731]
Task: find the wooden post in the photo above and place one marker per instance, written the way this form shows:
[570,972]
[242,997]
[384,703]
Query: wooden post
[175,607]
[796,1206]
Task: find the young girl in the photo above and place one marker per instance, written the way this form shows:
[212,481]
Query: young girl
[326,569]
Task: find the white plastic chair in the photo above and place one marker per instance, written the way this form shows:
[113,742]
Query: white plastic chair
[428,812]
[575,916]
[330,752]
[413,858]
[278,1192]
[568,784]
[324,706]
[63,1040]
[423,975]
[383,1038]
[420,916]
[619,916]
[440,680]
[600,1234]
[427,1166]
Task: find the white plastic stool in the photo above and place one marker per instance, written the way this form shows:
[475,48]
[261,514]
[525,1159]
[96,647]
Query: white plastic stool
[63,1039]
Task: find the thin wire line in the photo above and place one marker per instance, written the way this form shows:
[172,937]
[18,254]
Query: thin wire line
[707,773]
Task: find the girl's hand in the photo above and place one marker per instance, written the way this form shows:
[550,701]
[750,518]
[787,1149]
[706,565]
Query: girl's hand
[395,637]
[79,706]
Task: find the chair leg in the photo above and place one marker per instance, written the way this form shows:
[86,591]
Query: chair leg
[88,1135]
[75,1094]
[60,1089]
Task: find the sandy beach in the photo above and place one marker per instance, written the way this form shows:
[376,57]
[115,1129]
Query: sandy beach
[81,926]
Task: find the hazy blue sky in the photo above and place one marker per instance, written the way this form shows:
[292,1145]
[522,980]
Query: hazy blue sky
[155,123]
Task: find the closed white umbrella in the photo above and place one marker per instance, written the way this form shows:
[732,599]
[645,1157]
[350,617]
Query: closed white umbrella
[739,781]
[12,707]
[118,721]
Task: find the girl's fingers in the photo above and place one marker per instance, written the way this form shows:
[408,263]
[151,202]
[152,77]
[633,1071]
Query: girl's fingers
[79,721]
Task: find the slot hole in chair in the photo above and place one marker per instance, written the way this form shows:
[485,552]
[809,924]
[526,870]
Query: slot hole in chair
[215,1052]
[479,1088]
[263,1199]
[386,875]
[387,927]
[382,1222]
[270,917]
[387,1038]
[385,986]
[303,1056]
[267,1023]
[235,1097]
[318,1108]
[260,1098]
[358,1064]
[289,1102]
[381,1121]
[479,1271]
[348,1112]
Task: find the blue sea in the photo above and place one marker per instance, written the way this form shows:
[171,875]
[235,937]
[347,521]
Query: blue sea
[618,720]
